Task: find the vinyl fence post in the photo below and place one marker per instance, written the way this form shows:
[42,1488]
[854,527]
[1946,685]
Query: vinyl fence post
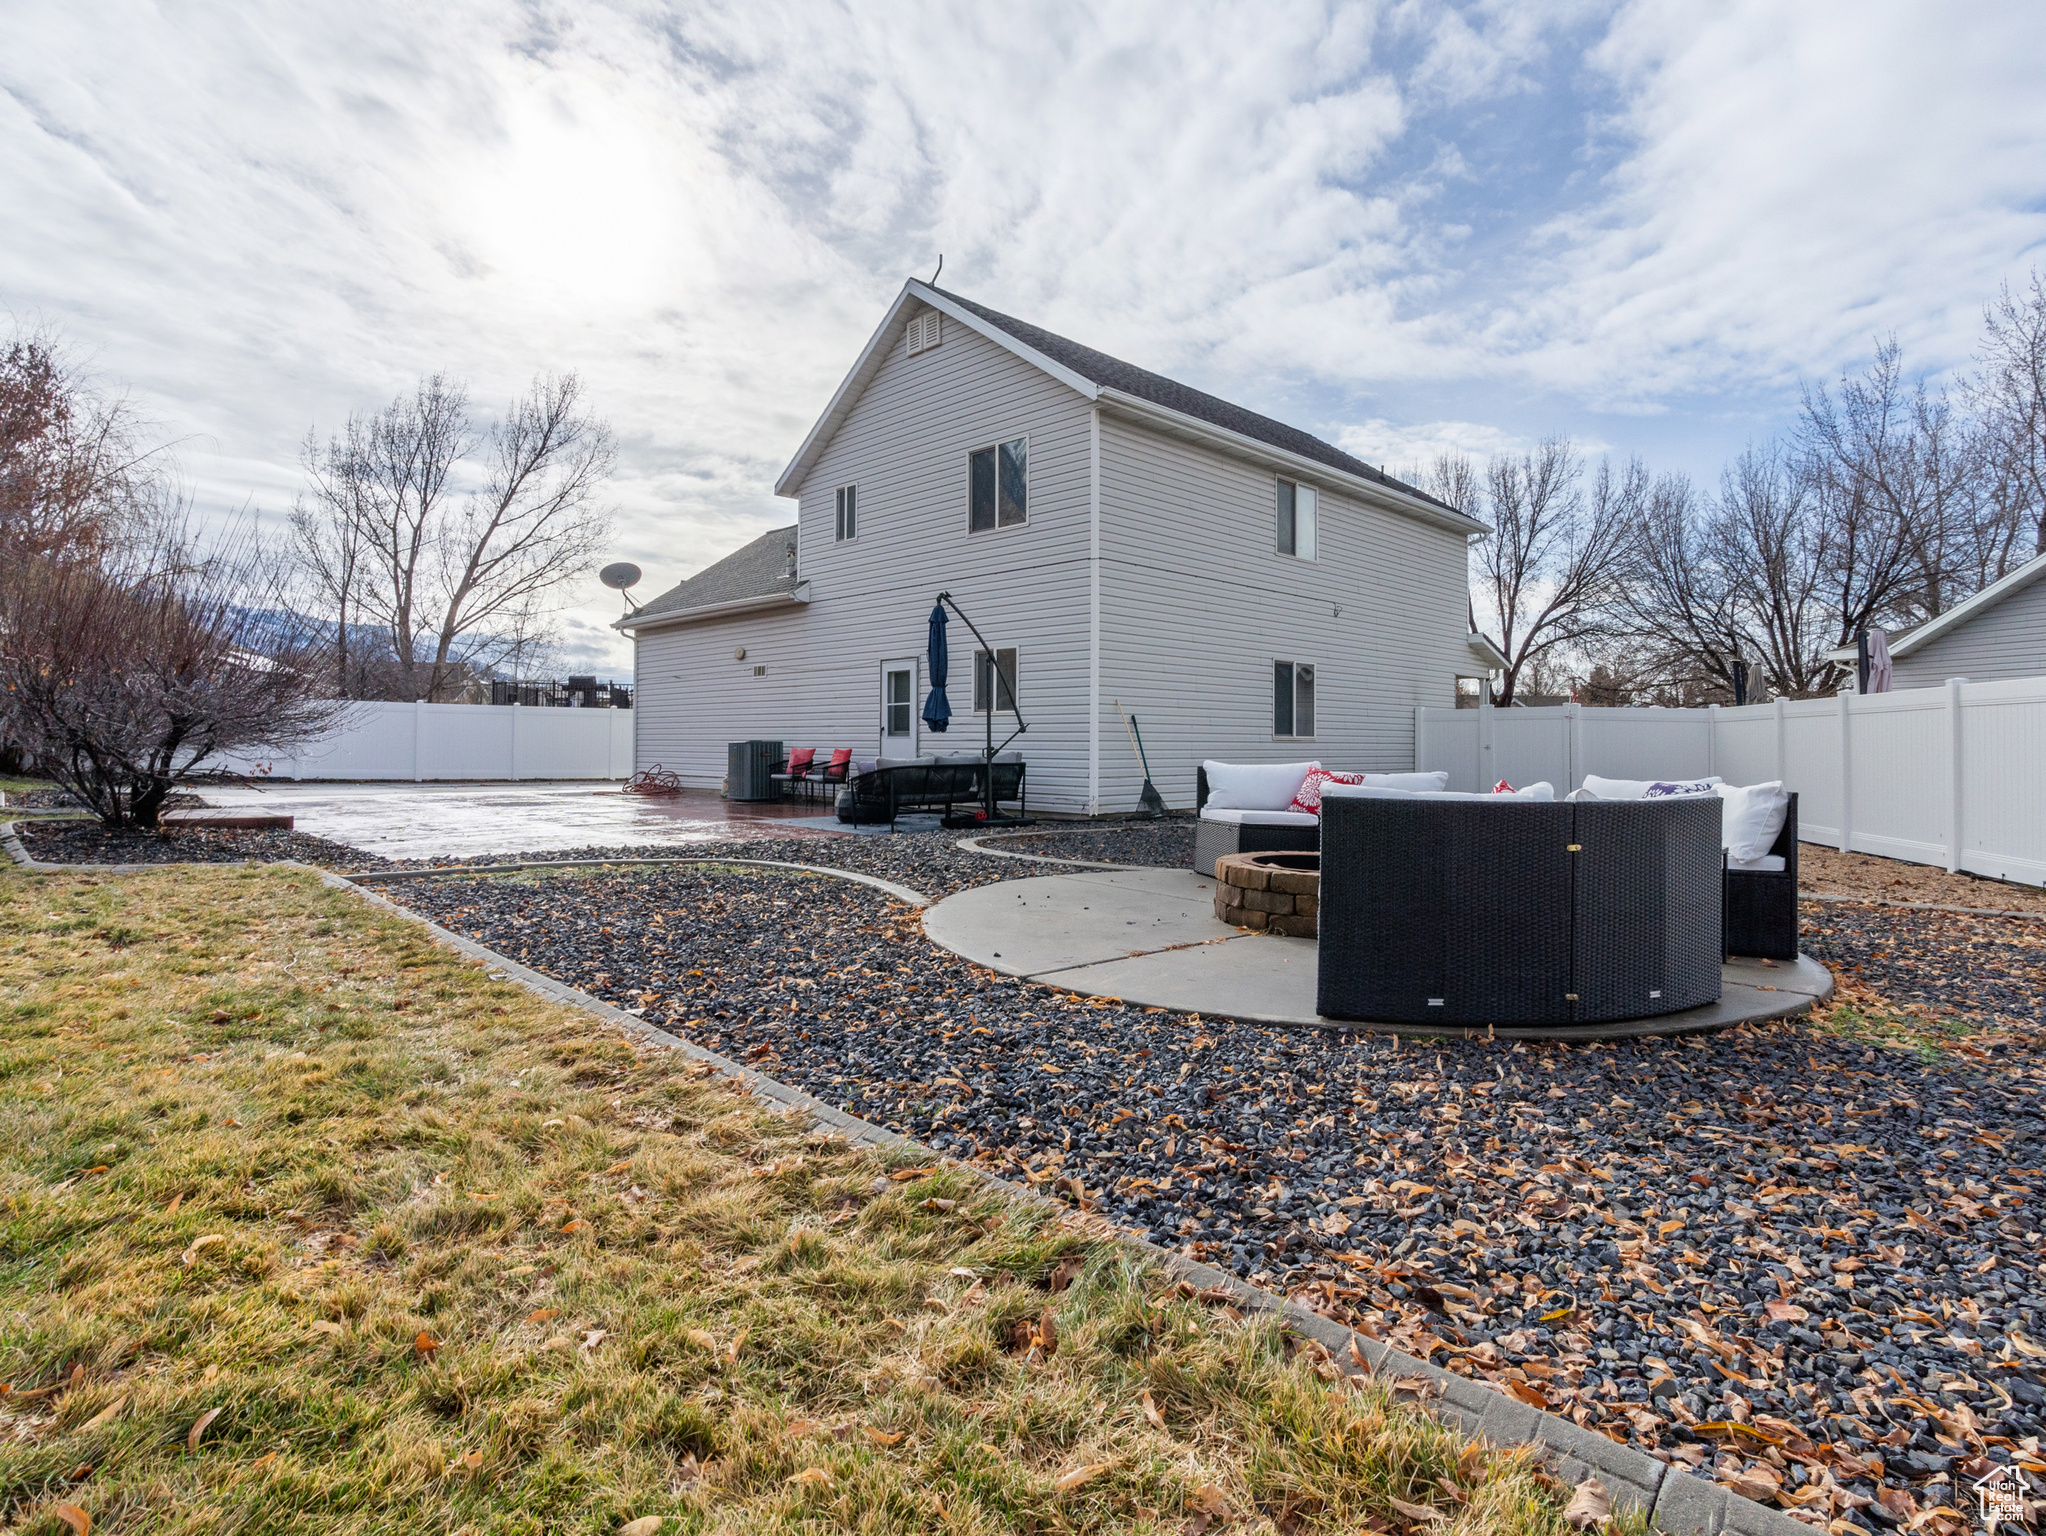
[514,740]
[1420,739]
[1711,740]
[1846,772]
[1484,752]
[1957,799]
[418,741]
[1782,760]
[1575,721]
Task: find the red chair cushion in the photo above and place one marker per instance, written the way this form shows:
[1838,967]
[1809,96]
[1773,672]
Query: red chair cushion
[799,762]
[841,757]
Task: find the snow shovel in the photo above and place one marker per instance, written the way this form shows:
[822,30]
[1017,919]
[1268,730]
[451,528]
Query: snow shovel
[1150,802]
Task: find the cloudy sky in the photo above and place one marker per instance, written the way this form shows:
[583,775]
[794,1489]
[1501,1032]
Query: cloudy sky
[1404,225]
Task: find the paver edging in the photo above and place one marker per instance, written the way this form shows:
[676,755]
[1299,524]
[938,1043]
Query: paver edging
[1675,1501]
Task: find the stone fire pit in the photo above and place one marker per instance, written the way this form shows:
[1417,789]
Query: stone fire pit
[1277,892]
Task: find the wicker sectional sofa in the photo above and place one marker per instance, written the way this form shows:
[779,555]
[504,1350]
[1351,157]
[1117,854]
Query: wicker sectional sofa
[1459,912]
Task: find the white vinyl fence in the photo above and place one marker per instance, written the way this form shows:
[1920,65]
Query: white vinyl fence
[417,742]
[1953,776]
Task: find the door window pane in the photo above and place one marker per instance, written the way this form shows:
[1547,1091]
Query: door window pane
[980,477]
[1282,698]
[1015,494]
[899,701]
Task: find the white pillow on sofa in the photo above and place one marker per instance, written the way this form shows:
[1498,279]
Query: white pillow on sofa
[1254,786]
[1751,819]
[1637,789]
[1413,783]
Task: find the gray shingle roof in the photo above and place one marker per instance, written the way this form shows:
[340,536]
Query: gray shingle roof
[758,569]
[1112,373]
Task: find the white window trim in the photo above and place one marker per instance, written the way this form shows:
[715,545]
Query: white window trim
[1029,470]
[837,497]
[1296,664]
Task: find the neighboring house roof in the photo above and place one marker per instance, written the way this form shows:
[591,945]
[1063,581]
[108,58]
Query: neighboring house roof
[753,575]
[1904,641]
[1099,377]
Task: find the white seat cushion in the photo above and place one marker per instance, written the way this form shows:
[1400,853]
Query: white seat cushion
[1751,819]
[1258,818]
[1767,864]
[1254,786]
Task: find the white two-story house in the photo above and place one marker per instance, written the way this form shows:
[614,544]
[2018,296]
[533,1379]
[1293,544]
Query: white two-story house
[1246,590]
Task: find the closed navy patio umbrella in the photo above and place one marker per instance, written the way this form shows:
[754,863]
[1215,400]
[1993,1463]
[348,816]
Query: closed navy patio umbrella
[938,708]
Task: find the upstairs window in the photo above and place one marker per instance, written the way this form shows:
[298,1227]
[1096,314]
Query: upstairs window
[1299,520]
[925,332]
[1293,699]
[998,486]
[1000,680]
[848,512]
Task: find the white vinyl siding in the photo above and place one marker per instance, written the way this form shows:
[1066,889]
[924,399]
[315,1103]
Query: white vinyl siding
[904,443]
[2008,640]
[1195,610]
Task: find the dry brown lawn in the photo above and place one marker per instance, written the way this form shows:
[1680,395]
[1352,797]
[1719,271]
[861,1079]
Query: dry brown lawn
[311,1226]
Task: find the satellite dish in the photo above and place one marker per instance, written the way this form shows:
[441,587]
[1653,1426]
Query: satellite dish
[619,576]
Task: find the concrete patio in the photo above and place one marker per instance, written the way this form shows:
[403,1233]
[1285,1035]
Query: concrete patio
[1150,937]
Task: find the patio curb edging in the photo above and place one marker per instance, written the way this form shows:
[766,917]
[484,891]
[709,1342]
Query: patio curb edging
[445,871]
[1674,1501]
[978,844]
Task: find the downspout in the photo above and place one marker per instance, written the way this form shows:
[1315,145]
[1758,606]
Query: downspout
[1094,611]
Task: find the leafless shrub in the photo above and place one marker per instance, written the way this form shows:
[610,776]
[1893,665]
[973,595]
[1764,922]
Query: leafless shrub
[129,675]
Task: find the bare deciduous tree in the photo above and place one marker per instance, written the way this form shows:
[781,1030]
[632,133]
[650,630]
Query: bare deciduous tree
[75,477]
[1549,573]
[2010,396]
[386,536]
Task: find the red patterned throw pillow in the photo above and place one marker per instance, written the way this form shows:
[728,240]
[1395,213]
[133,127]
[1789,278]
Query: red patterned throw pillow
[1502,788]
[1308,798]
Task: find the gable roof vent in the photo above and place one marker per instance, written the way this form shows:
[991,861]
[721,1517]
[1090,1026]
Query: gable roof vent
[924,333]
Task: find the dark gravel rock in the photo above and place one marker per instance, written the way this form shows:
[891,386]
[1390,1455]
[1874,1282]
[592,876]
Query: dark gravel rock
[86,842]
[1986,968]
[1775,1225]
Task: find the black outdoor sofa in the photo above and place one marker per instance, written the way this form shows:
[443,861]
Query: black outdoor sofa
[883,793]
[1457,912]
[1760,905]
[1212,840]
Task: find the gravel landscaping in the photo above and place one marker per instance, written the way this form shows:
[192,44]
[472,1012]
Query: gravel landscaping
[1168,843]
[1989,970]
[87,842]
[1808,1264]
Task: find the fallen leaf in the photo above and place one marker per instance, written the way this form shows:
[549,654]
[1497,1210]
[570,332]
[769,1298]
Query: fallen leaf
[79,1521]
[1528,1393]
[210,1240]
[645,1525]
[1422,1512]
[1784,1312]
[322,1325]
[732,1349]
[424,1344]
[1589,1505]
[177,1200]
[577,1225]
[879,1436]
[1151,1411]
[593,1338]
[198,1429]
[621,1168]
[815,1475]
[702,1340]
[937,1306]
[542,1314]
[1079,1475]
[473,1460]
[902,1174]
[106,1415]
[1068,1267]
